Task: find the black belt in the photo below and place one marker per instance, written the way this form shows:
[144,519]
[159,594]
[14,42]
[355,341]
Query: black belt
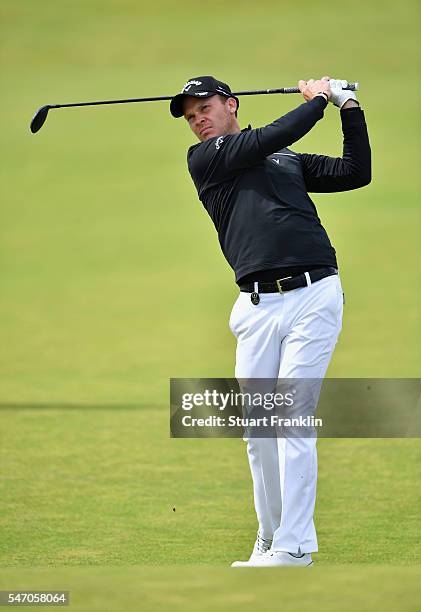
[281,285]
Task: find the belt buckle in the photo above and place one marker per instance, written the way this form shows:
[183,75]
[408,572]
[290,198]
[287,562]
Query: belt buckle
[278,282]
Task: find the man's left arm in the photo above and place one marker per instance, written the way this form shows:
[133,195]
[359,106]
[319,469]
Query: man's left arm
[352,170]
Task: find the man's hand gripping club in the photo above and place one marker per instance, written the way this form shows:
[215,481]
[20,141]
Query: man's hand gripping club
[329,88]
[310,89]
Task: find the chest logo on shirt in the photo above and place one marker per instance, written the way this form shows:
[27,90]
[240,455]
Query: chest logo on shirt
[218,142]
[277,160]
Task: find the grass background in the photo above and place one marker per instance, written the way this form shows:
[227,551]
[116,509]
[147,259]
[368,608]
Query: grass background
[112,282]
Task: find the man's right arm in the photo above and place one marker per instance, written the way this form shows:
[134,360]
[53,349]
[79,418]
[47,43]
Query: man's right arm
[218,159]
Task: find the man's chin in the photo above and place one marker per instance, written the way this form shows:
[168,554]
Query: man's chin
[207,134]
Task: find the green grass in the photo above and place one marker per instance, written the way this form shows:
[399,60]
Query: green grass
[192,588]
[98,486]
[112,282]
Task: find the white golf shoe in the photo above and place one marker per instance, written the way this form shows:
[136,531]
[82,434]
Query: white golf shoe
[277,559]
[261,547]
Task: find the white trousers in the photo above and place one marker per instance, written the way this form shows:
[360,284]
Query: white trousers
[289,335]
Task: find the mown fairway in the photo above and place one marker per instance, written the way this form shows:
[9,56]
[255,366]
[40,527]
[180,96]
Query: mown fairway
[112,282]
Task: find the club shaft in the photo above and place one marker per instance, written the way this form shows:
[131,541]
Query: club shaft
[282,90]
[285,90]
[99,102]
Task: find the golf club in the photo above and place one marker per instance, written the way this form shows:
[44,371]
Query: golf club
[40,116]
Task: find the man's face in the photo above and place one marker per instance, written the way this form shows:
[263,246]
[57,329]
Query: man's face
[209,117]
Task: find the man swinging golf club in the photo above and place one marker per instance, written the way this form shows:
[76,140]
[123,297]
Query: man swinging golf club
[288,314]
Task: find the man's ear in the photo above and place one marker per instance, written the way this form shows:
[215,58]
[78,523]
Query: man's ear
[232,105]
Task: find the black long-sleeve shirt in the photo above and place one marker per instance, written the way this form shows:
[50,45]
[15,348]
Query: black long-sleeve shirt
[255,189]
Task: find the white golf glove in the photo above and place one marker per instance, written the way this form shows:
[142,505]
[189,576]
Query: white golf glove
[339,96]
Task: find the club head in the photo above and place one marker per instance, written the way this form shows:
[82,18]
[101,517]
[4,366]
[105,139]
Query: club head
[39,118]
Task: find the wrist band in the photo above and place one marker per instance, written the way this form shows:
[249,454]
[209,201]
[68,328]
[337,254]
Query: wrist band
[323,93]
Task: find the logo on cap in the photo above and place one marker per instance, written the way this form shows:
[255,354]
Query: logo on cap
[189,84]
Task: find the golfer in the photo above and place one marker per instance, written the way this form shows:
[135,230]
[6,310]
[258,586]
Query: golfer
[288,314]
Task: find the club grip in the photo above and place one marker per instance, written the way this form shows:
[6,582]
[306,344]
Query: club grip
[349,87]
